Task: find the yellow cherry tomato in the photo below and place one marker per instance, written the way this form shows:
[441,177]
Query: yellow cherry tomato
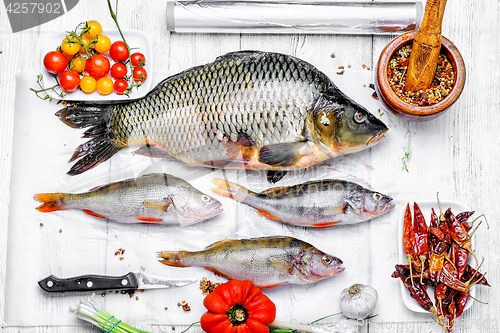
[86,41]
[105,85]
[88,84]
[78,64]
[103,44]
[95,29]
[70,45]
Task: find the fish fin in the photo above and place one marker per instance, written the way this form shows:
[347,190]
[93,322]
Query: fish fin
[325,224]
[92,213]
[220,164]
[148,219]
[224,241]
[51,202]
[216,272]
[162,206]
[274,176]
[239,54]
[281,154]
[175,259]
[230,190]
[273,285]
[101,146]
[152,151]
[268,215]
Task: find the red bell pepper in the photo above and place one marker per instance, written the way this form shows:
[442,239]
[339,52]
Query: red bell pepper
[237,307]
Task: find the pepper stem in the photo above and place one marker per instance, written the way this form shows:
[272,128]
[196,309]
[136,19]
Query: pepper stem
[237,314]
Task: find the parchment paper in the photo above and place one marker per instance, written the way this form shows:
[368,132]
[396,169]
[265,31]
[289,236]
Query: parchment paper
[72,243]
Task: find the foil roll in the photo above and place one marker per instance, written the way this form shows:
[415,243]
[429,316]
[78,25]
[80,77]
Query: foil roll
[293,16]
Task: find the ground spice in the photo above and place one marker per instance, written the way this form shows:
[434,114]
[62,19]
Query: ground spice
[441,86]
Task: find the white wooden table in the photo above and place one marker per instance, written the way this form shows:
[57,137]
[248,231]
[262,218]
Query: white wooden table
[468,132]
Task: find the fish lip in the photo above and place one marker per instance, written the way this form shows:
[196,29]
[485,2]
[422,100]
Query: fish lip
[376,138]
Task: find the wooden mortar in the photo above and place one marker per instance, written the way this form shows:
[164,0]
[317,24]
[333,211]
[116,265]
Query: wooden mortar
[426,47]
[408,111]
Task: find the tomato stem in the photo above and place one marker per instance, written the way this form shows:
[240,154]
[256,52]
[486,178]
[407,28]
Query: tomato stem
[42,89]
[113,16]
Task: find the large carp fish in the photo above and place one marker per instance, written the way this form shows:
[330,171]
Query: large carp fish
[245,110]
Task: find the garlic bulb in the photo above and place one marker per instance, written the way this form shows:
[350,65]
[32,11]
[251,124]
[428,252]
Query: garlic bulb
[358,301]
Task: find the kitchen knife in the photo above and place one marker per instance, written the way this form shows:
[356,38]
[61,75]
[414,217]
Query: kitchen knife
[130,281]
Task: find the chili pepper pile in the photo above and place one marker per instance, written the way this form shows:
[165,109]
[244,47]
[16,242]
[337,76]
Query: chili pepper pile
[437,256]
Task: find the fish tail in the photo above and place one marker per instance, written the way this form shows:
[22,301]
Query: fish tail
[230,190]
[175,259]
[51,202]
[101,146]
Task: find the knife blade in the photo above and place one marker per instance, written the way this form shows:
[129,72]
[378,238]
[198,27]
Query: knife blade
[129,281]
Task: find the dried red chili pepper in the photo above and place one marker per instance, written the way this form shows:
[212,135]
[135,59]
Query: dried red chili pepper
[409,238]
[477,277]
[457,231]
[451,315]
[451,281]
[461,300]
[437,233]
[237,306]
[436,262]
[417,290]
[439,294]
[421,236]
[461,262]
[463,217]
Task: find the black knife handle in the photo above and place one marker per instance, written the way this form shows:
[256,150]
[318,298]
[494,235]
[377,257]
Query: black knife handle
[89,283]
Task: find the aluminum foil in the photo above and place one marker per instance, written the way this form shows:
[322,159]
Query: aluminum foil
[293,16]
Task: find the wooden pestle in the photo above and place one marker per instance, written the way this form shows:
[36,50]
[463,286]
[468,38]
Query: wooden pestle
[426,47]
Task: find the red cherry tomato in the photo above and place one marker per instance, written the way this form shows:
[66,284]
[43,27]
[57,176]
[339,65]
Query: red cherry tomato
[69,80]
[118,51]
[55,62]
[140,74]
[120,86]
[138,59]
[97,66]
[118,70]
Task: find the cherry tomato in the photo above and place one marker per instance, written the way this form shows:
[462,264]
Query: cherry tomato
[70,45]
[69,80]
[120,86]
[55,62]
[88,84]
[104,86]
[140,74]
[103,44]
[118,70]
[97,66]
[95,29]
[78,64]
[86,41]
[118,51]
[138,59]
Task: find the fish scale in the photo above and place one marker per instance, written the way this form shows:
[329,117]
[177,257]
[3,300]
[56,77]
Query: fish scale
[247,108]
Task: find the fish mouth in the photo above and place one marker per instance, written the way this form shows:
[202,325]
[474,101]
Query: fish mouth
[377,137]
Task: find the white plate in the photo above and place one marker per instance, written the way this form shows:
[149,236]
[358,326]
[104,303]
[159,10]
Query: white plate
[425,207]
[137,40]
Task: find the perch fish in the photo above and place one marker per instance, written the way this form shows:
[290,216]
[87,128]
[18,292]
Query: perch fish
[267,261]
[246,110]
[320,204]
[152,198]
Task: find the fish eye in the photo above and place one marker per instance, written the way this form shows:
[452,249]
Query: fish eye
[376,196]
[205,198]
[327,260]
[359,117]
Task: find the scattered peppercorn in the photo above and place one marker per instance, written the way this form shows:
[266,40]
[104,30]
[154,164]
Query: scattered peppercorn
[207,286]
[185,306]
[441,85]
[60,230]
